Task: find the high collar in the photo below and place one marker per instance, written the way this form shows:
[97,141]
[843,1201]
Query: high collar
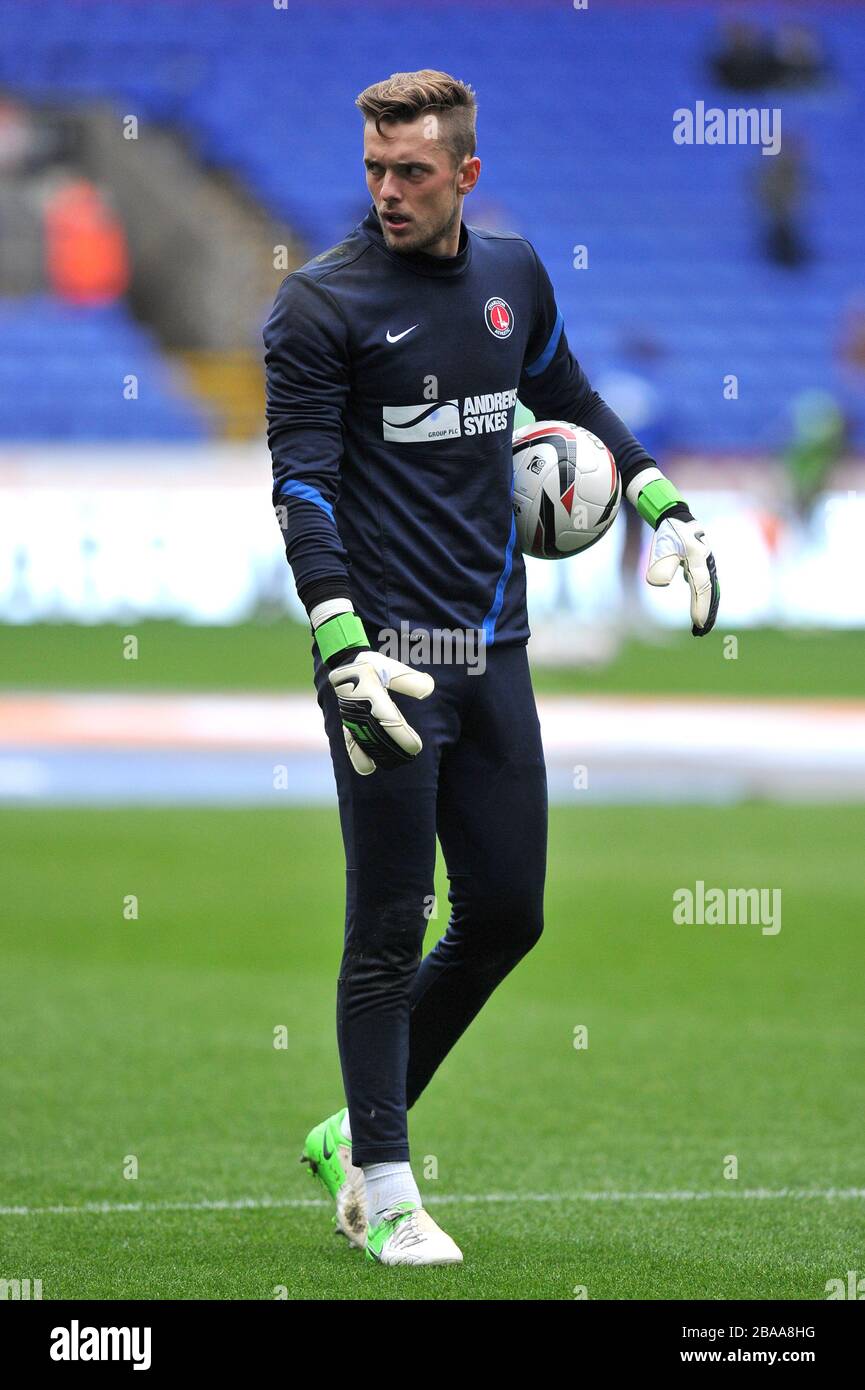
[442,267]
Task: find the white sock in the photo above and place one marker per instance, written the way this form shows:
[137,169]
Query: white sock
[387,1184]
[345,1126]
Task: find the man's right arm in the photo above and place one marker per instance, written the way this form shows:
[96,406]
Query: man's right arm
[308,375]
[307,386]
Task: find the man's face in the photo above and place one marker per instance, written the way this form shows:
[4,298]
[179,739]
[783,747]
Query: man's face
[416,189]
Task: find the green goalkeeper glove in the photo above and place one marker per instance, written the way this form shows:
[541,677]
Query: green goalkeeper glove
[679,540]
[376,733]
[684,543]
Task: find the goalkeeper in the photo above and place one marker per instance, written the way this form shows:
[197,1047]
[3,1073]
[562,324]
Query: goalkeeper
[394,362]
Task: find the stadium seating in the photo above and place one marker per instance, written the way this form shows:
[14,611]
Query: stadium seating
[65,376]
[575,121]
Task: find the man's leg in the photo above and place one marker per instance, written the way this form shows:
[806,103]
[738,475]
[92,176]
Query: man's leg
[492,824]
[388,823]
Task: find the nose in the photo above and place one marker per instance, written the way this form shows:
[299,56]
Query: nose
[390,189]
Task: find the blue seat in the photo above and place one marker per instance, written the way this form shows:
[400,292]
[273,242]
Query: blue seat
[674,245]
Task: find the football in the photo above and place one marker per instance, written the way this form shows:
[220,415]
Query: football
[567,489]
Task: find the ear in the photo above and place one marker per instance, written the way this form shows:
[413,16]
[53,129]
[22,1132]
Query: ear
[469,174]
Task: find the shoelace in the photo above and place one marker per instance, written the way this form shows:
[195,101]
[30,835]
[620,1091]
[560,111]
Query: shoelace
[407,1232]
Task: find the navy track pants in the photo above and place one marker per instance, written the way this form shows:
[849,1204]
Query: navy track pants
[480,786]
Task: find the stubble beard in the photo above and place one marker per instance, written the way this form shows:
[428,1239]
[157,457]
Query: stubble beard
[444,229]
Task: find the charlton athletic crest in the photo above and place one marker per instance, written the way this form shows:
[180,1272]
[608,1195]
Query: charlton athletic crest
[499,318]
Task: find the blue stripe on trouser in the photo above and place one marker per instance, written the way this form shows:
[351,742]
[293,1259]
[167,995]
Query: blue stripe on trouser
[489,623]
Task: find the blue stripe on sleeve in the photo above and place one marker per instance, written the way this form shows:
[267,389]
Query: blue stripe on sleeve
[541,363]
[309,494]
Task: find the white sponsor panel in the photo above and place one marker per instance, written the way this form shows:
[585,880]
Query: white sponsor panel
[421,424]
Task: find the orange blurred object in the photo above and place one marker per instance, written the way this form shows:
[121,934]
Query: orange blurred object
[87,259]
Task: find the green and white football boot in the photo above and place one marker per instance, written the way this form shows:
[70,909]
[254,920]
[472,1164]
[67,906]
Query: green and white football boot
[407,1235]
[327,1150]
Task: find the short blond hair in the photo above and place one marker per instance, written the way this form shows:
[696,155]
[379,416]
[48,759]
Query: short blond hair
[406,95]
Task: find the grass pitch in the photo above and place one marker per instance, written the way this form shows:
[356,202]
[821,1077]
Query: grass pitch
[276,656]
[152,1040]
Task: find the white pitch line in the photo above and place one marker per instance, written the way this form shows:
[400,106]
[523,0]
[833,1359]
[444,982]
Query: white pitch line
[753,1194]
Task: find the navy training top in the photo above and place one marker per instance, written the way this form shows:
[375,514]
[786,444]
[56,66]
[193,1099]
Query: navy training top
[392,379]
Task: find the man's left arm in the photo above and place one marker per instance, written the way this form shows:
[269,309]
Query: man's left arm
[554,387]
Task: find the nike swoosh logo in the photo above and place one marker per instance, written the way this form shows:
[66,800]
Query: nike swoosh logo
[326,1152]
[395,337]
